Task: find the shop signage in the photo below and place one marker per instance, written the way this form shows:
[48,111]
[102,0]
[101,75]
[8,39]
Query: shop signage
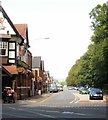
[20,69]
[23,64]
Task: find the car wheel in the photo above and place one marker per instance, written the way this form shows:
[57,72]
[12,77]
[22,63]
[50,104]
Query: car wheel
[90,97]
[101,98]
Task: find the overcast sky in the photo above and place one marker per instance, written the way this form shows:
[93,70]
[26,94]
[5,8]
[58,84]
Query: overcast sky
[65,22]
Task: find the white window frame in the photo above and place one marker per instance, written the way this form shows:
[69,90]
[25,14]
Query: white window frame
[12,45]
[4,45]
[11,61]
[11,54]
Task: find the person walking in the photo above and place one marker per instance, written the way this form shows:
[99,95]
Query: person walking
[12,92]
[9,95]
[4,96]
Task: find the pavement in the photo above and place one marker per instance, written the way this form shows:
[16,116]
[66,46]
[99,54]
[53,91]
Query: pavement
[37,98]
[85,98]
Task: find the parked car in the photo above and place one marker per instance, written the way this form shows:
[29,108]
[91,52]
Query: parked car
[96,93]
[83,90]
[76,88]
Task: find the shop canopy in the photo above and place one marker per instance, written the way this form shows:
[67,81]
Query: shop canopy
[10,70]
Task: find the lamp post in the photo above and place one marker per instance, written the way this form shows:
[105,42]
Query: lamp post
[41,89]
[46,38]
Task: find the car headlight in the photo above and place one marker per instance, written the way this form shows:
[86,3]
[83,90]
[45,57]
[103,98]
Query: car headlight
[95,95]
[100,95]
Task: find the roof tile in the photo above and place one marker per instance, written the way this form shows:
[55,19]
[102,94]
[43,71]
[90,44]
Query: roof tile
[21,28]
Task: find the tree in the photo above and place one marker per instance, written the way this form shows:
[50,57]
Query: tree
[92,67]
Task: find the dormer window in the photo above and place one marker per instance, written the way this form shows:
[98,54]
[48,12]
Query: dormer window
[3,48]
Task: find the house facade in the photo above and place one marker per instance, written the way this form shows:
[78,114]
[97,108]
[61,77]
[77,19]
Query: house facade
[15,57]
[40,76]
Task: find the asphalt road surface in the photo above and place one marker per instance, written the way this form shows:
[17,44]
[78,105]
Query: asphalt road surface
[59,106]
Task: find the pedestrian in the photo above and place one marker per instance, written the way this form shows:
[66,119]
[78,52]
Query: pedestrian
[4,96]
[13,99]
[9,95]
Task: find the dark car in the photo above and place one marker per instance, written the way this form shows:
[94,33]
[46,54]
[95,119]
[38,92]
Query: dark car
[96,93]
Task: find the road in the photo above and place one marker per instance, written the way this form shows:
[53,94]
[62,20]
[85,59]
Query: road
[59,105]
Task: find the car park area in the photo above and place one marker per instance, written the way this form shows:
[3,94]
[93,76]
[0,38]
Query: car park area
[86,95]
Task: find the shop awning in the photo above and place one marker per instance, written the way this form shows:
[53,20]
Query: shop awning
[11,70]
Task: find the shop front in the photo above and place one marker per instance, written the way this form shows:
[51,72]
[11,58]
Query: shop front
[24,83]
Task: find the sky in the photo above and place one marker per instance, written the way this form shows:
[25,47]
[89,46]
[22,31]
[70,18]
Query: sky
[65,22]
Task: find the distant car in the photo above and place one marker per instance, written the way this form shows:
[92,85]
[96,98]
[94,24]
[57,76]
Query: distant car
[70,88]
[90,88]
[59,87]
[83,90]
[76,88]
[96,93]
[53,88]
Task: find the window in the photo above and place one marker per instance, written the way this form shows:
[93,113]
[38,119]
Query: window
[11,61]
[12,46]
[11,54]
[3,48]
[12,51]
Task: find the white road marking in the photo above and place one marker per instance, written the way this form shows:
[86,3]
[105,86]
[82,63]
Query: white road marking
[45,115]
[80,114]
[66,112]
[14,115]
[75,100]
[32,112]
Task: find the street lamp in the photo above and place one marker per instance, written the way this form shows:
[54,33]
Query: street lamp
[46,38]
[40,80]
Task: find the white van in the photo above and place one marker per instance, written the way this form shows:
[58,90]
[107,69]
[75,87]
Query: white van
[53,88]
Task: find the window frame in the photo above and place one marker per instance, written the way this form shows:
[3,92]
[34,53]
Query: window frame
[10,49]
[4,47]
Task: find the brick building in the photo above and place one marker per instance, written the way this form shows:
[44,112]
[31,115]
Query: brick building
[15,57]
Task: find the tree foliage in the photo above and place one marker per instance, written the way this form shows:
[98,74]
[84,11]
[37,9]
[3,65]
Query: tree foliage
[92,67]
